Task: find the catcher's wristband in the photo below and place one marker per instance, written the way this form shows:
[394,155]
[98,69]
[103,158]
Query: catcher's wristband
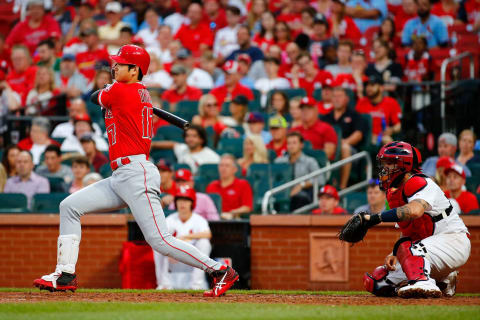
[389,215]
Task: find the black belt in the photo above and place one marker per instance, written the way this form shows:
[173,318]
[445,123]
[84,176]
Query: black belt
[440,216]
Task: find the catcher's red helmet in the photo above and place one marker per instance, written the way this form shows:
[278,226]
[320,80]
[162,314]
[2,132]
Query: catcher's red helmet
[403,156]
[132,54]
[185,192]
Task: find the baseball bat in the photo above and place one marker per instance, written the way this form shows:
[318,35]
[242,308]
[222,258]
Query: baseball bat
[171,118]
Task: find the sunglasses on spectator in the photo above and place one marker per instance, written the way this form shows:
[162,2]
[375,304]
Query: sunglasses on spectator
[211,104]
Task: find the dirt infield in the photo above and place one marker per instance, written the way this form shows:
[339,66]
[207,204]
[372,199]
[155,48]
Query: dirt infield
[334,299]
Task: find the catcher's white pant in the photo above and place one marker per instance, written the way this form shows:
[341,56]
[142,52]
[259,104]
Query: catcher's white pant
[174,275]
[443,253]
[136,185]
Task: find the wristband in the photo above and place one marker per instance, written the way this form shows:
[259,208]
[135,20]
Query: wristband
[389,215]
[374,220]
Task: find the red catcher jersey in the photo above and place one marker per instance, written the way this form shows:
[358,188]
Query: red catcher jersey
[128,119]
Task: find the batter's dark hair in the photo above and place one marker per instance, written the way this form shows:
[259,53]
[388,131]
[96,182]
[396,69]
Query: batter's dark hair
[140,73]
[200,131]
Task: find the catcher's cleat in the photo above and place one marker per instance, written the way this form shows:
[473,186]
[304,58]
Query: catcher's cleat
[223,280]
[57,281]
[420,289]
[449,285]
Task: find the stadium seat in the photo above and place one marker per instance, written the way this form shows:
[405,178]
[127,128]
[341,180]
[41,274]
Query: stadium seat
[186,109]
[57,184]
[167,154]
[231,145]
[473,182]
[217,199]
[169,133]
[272,155]
[48,202]
[317,94]
[352,201]
[13,203]
[211,137]
[199,183]
[209,172]
[291,93]
[318,155]
[178,166]
[105,170]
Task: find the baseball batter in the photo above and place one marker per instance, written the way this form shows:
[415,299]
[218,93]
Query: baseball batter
[135,181]
[435,241]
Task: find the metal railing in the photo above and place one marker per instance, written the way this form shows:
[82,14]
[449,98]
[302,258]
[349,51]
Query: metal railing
[268,204]
[443,78]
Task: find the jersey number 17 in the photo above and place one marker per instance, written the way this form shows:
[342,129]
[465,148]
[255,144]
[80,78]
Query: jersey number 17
[147,122]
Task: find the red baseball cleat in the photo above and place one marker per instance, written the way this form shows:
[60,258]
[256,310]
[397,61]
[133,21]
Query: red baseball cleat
[57,281]
[223,280]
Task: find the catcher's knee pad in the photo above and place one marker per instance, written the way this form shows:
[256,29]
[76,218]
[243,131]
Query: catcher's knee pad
[378,284]
[413,266]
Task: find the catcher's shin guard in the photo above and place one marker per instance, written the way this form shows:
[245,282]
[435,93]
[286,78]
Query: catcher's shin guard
[378,284]
[414,267]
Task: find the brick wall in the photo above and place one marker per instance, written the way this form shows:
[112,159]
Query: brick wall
[28,245]
[280,253]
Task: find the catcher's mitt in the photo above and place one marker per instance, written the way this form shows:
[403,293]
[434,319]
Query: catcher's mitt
[355,229]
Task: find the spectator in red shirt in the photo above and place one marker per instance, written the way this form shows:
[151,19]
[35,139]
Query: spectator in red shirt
[292,52]
[407,11]
[388,33]
[167,184]
[95,51]
[282,35]
[342,26]
[385,111]
[278,129]
[447,10]
[455,182]
[215,16]
[321,135]
[236,194]
[36,27]
[472,13]
[196,36]
[22,76]
[265,38]
[418,62]
[307,76]
[291,13]
[38,140]
[232,86]
[96,158]
[325,106]
[180,90]
[328,202]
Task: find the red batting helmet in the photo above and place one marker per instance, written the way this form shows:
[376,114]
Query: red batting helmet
[403,156]
[185,192]
[132,54]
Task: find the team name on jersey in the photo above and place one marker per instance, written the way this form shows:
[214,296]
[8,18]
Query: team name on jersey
[144,96]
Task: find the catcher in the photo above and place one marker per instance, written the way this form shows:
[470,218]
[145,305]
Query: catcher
[434,241]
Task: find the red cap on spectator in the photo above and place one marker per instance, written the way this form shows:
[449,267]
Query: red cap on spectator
[330,190]
[445,162]
[457,169]
[245,58]
[307,101]
[183,174]
[230,67]
[82,117]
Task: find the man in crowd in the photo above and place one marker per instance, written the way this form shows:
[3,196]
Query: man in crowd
[80,168]
[366,13]
[196,36]
[446,147]
[68,79]
[232,86]
[46,55]
[82,124]
[385,111]
[352,127]
[26,181]
[272,81]
[95,157]
[180,89]
[205,206]
[110,32]
[307,76]
[38,140]
[226,38]
[376,199]
[187,225]
[196,77]
[94,52]
[65,129]
[245,46]
[278,129]
[194,151]
[302,193]
[328,202]
[321,135]
[53,166]
[236,194]
[22,76]
[455,183]
[344,56]
[427,25]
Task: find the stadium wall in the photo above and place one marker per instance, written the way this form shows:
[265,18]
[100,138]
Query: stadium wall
[282,247]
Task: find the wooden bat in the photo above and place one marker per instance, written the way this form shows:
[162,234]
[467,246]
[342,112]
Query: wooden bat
[171,118]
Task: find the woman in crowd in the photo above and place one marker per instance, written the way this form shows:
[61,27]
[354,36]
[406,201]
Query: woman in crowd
[466,143]
[254,151]
[265,38]
[295,112]
[156,76]
[383,65]
[255,15]
[282,35]
[208,115]
[41,99]
[387,33]
[279,104]
[7,167]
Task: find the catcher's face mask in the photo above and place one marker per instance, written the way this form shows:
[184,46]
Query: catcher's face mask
[389,170]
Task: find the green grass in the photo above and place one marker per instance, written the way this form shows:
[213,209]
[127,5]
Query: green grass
[145,311]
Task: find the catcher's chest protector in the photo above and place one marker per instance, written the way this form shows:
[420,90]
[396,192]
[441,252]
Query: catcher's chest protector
[417,229]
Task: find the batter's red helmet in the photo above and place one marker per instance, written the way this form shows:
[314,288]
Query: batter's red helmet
[185,192]
[132,54]
[403,156]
